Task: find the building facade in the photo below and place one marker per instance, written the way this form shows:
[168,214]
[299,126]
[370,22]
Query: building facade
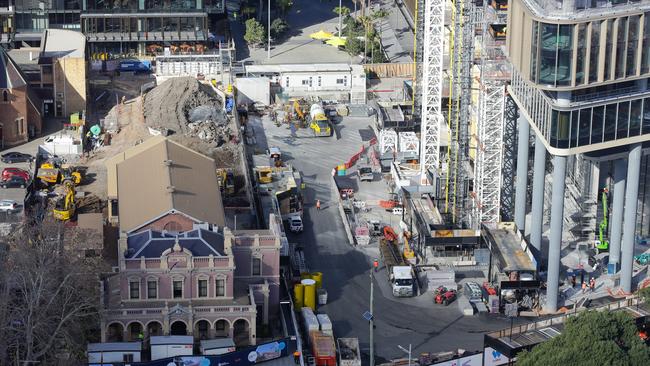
[580,80]
[20,115]
[120,27]
[207,282]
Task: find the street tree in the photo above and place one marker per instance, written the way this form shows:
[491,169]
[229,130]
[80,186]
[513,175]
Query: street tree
[592,338]
[255,33]
[49,296]
[343,11]
[278,28]
[285,6]
[353,46]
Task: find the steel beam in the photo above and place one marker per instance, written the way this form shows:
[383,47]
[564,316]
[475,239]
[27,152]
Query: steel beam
[522,173]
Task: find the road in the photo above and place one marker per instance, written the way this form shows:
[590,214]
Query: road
[346,269]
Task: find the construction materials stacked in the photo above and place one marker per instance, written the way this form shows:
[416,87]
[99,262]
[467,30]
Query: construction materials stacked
[325,324]
[318,277]
[310,322]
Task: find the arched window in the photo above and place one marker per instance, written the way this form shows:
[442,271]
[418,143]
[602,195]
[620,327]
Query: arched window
[5,96]
[173,227]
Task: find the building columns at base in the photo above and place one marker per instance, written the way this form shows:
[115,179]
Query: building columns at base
[555,240]
[629,220]
[522,173]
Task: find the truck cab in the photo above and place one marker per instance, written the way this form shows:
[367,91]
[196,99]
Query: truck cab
[365,173]
[401,279]
[295,224]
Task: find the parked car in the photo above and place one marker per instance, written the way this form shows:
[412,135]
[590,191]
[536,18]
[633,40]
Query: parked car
[10,172]
[473,291]
[16,157]
[14,182]
[8,205]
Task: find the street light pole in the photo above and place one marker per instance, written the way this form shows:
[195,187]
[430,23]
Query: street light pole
[268,29]
[340,15]
[372,320]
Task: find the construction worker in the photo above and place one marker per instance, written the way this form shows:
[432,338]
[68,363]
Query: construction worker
[584,287]
[318,205]
[296,357]
[592,284]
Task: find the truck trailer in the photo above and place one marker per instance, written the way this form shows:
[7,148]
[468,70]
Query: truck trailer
[400,273]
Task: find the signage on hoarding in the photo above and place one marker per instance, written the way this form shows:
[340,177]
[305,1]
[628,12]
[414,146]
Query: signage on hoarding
[492,357]
[473,360]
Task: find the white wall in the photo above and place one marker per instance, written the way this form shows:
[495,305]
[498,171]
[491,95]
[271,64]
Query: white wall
[96,357]
[170,350]
[328,81]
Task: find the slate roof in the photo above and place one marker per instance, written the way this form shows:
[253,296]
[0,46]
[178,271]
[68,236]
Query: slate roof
[151,244]
[10,76]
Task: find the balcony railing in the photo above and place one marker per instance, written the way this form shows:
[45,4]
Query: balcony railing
[165,10]
[175,36]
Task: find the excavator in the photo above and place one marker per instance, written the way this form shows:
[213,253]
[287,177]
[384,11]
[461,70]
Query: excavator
[64,207]
[51,173]
[298,110]
[602,243]
[226,180]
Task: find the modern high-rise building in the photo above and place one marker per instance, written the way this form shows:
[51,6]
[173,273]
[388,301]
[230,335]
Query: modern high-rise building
[580,80]
[120,27]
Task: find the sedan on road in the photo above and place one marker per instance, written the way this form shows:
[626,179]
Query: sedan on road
[14,182]
[8,205]
[7,173]
[16,157]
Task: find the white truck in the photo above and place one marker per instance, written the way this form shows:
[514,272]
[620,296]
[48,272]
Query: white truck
[400,273]
[295,224]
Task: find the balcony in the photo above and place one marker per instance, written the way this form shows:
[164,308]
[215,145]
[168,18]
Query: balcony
[146,36]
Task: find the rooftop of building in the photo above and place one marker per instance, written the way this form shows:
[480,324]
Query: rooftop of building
[160,176]
[575,9]
[510,247]
[10,75]
[61,43]
[152,244]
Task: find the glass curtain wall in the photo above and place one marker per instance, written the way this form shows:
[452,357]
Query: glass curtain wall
[621,42]
[554,50]
[582,53]
[594,50]
[632,45]
[645,50]
[609,36]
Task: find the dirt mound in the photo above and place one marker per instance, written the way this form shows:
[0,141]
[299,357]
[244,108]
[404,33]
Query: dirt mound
[180,105]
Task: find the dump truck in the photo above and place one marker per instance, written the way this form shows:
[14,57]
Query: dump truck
[348,350]
[319,123]
[400,274]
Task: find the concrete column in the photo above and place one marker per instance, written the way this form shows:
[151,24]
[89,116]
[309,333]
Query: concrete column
[631,196]
[522,173]
[537,211]
[555,245]
[620,170]
[595,179]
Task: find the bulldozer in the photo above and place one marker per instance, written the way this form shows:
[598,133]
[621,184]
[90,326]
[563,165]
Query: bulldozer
[64,207]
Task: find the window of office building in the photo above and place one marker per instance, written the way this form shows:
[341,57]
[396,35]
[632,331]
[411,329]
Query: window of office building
[582,53]
[597,123]
[610,122]
[564,54]
[645,50]
[632,45]
[594,50]
[636,106]
[622,120]
[609,36]
[621,42]
[645,122]
[584,126]
[257,266]
[554,54]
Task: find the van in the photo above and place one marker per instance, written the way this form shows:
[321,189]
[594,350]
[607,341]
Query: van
[295,225]
[473,291]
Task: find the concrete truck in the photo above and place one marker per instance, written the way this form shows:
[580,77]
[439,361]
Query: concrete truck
[319,123]
[400,273]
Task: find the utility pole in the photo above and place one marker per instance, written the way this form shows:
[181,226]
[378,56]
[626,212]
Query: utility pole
[268,29]
[372,319]
[340,15]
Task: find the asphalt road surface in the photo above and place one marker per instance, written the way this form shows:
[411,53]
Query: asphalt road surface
[416,321]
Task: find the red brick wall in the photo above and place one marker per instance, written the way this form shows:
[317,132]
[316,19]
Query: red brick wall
[9,112]
[184,223]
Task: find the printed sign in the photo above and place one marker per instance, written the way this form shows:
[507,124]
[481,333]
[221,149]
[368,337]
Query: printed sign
[492,357]
[473,360]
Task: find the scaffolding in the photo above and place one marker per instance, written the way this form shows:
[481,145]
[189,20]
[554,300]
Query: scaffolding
[409,142]
[430,21]
[495,72]
[387,141]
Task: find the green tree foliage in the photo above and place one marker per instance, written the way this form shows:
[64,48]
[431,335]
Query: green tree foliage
[255,33]
[645,294]
[354,46]
[285,5]
[278,27]
[592,338]
[344,11]
[379,14]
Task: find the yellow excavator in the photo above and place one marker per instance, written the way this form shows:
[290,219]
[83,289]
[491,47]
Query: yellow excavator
[298,109]
[226,180]
[49,173]
[64,207]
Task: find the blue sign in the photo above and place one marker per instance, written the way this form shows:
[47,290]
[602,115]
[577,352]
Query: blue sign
[368,316]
